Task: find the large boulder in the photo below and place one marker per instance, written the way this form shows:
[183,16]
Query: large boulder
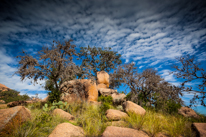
[129,106]
[103,78]
[113,114]
[79,90]
[45,99]
[67,130]
[101,86]
[200,129]
[17,103]
[187,112]
[106,91]
[118,98]
[11,117]
[63,114]
[4,88]
[112,131]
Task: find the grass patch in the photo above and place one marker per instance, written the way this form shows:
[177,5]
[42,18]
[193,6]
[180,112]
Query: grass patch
[40,125]
[157,122]
[90,118]
[93,120]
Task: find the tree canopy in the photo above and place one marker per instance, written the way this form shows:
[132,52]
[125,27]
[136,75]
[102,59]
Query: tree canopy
[54,63]
[98,59]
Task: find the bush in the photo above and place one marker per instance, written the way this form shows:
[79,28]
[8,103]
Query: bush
[12,95]
[172,106]
[104,99]
[169,106]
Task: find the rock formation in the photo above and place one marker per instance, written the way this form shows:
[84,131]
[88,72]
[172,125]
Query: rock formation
[187,112]
[87,90]
[200,129]
[17,103]
[112,131]
[106,91]
[2,102]
[11,116]
[129,106]
[4,88]
[103,78]
[113,114]
[79,90]
[118,98]
[45,99]
[67,130]
[63,114]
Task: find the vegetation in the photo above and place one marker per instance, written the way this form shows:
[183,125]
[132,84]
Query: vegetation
[94,122]
[98,59]
[189,70]
[12,95]
[147,88]
[160,98]
[54,63]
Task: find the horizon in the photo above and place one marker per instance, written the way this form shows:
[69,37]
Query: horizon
[152,34]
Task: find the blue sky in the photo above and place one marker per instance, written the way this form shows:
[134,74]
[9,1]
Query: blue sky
[150,33]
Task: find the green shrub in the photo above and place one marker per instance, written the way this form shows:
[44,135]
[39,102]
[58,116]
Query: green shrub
[54,95]
[172,106]
[106,104]
[128,96]
[105,99]
[12,95]
[61,105]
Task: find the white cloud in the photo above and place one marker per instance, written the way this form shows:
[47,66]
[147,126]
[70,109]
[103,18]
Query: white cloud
[141,67]
[14,81]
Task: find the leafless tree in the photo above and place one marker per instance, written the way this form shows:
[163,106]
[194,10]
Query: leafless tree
[190,71]
[146,87]
[54,63]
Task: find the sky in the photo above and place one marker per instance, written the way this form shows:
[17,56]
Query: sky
[150,33]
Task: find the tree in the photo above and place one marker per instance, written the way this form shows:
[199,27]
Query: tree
[98,59]
[190,71]
[54,63]
[146,87]
[12,95]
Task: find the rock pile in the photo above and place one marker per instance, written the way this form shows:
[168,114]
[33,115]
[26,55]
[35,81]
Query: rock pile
[87,90]
[78,90]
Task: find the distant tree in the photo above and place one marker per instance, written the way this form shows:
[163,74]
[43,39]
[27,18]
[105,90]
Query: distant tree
[53,63]
[12,95]
[189,71]
[146,87]
[98,59]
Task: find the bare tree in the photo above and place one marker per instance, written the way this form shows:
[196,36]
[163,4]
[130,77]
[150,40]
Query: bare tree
[54,63]
[190,71]
[146,87]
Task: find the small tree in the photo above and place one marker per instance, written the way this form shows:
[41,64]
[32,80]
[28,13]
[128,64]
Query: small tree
[54,63]
[98,59]
[146,87]
[189,71]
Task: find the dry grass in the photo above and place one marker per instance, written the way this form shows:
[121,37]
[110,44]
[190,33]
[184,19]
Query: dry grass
[156,122]
[94,122]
